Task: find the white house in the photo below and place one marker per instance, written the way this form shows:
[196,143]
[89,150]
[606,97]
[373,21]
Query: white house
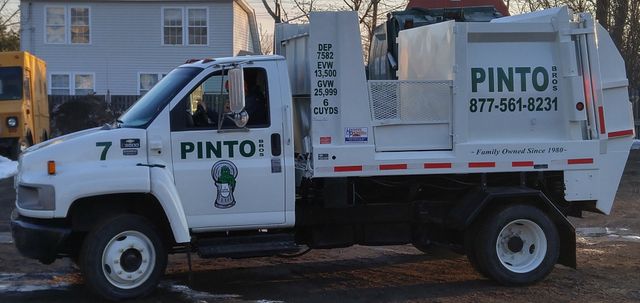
[124,47]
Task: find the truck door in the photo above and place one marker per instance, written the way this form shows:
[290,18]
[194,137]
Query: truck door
[228,175]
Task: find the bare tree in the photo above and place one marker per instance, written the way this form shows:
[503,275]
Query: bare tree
[9,35]
[8,15]
[266,41]
[276,12]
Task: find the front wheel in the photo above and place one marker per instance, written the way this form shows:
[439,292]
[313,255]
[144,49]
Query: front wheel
[123,258]
[517,245]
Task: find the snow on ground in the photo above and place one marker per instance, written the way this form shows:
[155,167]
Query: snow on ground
[8,168]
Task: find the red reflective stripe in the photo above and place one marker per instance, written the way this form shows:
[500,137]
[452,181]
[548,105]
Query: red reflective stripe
[481,164]
[621,133]
[603,129]
[580,161]
[521,163]
[392,166]
[339,169]
[437,165]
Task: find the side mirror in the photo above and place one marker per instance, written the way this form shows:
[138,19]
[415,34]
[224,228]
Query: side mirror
[236,90]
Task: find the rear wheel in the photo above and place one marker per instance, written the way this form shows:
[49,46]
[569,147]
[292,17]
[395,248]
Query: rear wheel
[470,249]
[123,258]
[516,245]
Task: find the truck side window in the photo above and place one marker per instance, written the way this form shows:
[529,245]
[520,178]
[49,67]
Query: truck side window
[207,104]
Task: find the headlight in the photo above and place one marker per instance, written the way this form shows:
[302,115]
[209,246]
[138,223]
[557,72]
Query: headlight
[12,121]
[36,197]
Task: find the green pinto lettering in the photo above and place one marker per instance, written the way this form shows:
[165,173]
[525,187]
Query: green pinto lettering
[216,150]
[505,79]
[199,150]
[243,148]
[492,86]
[523,71]
[230,144]
[185,148]
[545,79]
[477,76]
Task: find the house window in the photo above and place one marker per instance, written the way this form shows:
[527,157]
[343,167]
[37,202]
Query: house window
[77,27]
[55,22]
[197,26]
[194,23]
[146,81]
[172,26]
[60,84]
[72,84]
[80,32]
[84,84]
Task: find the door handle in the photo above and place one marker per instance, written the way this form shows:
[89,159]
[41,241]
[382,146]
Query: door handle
[151,165]
[276,147]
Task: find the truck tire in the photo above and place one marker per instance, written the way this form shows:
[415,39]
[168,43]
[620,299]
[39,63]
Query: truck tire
[470,250]
[123,258]
[516,245]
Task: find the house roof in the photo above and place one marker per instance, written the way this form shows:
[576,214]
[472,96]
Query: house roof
[498,4]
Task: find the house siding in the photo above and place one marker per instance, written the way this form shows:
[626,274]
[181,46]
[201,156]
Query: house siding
[241,30]
[126,39]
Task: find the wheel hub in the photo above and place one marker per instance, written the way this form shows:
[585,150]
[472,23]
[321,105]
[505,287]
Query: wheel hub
[131,260]
[128,259]
[515,244]
[521,246]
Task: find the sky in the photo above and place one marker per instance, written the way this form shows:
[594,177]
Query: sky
[263,18]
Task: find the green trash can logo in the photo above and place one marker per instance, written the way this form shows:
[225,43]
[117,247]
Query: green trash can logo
[224,175]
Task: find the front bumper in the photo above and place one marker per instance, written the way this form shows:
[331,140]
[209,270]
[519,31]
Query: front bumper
[36,239]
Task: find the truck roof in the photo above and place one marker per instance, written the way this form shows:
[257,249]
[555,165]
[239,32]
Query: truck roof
[208,62]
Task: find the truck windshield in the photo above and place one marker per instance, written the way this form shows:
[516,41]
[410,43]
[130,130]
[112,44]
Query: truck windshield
[149,105]
[10,83]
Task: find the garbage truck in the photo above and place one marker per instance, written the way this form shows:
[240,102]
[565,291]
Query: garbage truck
[493,134]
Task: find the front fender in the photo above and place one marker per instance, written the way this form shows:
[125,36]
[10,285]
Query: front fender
[164,189]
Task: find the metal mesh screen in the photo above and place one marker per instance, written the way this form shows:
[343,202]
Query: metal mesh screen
[410,102]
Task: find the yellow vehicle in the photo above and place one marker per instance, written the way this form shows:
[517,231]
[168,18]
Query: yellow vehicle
[24,107]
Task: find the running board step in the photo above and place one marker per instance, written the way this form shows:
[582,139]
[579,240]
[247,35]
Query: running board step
[247,246]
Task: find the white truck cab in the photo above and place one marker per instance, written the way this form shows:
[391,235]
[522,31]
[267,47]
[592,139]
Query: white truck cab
[260,155]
